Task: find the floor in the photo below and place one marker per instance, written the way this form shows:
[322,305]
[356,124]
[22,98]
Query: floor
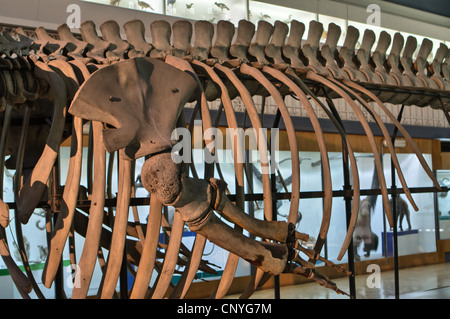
[426,282]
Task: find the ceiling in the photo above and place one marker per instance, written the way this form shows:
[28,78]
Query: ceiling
[440,7]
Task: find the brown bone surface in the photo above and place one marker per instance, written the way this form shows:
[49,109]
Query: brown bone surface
[133,94]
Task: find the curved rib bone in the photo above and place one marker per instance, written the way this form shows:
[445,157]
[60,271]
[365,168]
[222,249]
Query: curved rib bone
[65,216]
[188,275]
[232,261]
[370,137]
[17,184]
[92,243]
[34,186]
[251,110]
[400,127]
[355,174]
[119,229]
[150,244]
[22,282]
[388,142]
[201,47]
[293,211]
[170,260]
[321,142]
[64,220]
[4,214]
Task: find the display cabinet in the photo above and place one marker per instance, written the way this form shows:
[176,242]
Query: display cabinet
[154,6]
[212,11]
[271,13]
[371,241]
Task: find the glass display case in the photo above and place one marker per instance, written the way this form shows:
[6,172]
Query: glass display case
[372,240]
[271,13]
[416,229]
[154,6]
[377,30]
[212,11]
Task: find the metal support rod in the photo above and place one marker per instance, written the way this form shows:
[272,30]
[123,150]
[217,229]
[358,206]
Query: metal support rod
[124,276]
[144,201]
[276,278]
[347,197]
[385,246]
[325,246]
[251,203]
[394,213]
[436,216]
[18,175]
[55,206]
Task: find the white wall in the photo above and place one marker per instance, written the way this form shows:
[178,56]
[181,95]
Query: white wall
[51,13]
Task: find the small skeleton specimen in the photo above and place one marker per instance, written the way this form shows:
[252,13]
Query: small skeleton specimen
[402,212]
[221,5]
[144,5]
